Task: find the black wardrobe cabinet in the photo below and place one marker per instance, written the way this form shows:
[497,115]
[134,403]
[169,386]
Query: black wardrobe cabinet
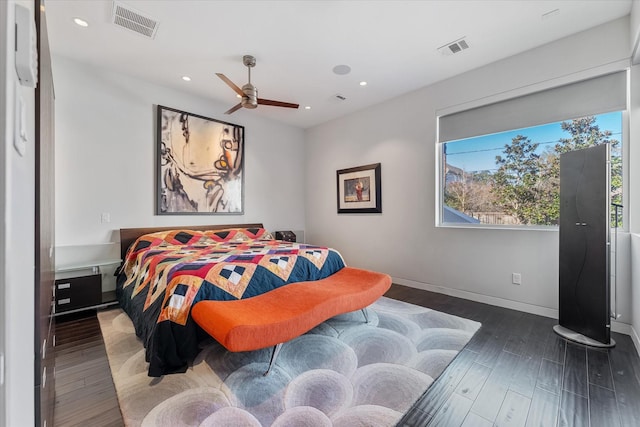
[584,285]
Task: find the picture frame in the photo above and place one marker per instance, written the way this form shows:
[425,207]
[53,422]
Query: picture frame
[359,189]
[199,164]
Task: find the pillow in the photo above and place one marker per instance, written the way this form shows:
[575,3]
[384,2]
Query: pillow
[180,237]
[239,234]
[168,238]
[258,234]
[185,237]
[227,235]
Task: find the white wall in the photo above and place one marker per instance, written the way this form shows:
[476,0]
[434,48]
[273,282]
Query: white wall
[634,178]
[635,289]
[403,241]
[635,30]
[4,123]
[17,187]
[105,157]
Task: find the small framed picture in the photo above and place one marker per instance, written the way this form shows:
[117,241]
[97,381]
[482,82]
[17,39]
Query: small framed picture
[359,189]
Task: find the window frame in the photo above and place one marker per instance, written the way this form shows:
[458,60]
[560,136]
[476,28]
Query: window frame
[440,182]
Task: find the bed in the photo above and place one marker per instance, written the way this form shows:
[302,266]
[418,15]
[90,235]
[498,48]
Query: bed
[238,271]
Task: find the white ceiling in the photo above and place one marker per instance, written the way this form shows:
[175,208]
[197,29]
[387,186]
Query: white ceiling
[390,44]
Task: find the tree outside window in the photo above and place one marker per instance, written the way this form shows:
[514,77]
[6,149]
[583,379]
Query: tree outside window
[518,181]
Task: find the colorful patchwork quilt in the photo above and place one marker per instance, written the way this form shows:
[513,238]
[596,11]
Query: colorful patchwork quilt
[165,273]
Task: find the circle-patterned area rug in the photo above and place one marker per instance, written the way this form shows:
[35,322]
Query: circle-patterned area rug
[345,372]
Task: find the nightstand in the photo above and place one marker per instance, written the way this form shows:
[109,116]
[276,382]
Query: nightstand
[79,283]
[287,236]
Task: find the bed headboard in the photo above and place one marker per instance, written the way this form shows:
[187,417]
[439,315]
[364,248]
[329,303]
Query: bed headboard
[129,235]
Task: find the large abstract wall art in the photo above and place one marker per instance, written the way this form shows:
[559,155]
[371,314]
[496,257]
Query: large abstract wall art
[200,164]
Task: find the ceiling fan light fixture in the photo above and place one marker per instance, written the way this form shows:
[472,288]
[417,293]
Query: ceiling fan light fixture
[249,103]
[250,98]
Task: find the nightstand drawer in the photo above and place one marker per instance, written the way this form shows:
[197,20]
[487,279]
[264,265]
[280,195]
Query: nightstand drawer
[78,292]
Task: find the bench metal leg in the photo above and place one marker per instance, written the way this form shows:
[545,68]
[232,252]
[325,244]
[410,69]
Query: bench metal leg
[274,355]
[366,317]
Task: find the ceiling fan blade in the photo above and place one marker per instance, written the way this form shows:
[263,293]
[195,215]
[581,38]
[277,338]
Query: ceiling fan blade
[231,84]
[263,101]
[234,108]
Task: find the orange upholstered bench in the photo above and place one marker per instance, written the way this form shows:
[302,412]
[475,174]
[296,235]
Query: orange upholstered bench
[285,313]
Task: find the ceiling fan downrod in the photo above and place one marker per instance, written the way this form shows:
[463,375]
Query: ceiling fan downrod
[250,98]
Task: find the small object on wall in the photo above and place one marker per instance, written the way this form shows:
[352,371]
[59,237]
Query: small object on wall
[200,164]
[359,189]
[26,50]
[287,236]
[20,135]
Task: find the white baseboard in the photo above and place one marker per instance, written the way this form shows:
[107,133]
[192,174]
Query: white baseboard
[622,328]
[486,299]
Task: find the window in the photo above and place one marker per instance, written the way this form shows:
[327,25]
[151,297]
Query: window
[513,177]
[500,163]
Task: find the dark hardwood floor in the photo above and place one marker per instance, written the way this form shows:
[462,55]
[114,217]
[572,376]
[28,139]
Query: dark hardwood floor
[85,394]
[514,372]
[517,372]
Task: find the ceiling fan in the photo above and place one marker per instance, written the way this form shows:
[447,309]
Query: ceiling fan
[249,93]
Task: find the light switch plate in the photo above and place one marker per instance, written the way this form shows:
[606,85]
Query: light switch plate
[516,278]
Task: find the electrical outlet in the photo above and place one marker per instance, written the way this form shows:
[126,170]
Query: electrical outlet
[105,217]
[516,279]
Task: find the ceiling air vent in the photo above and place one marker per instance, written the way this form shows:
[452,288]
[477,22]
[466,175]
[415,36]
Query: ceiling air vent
[454,47]
[133,20]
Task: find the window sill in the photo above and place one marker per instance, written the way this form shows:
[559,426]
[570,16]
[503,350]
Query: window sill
[514,227]
[500,227]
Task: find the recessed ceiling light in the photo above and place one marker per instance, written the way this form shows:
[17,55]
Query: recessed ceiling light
[81,22]
[363,83]
[308,107]
[341,70]
[186,78]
